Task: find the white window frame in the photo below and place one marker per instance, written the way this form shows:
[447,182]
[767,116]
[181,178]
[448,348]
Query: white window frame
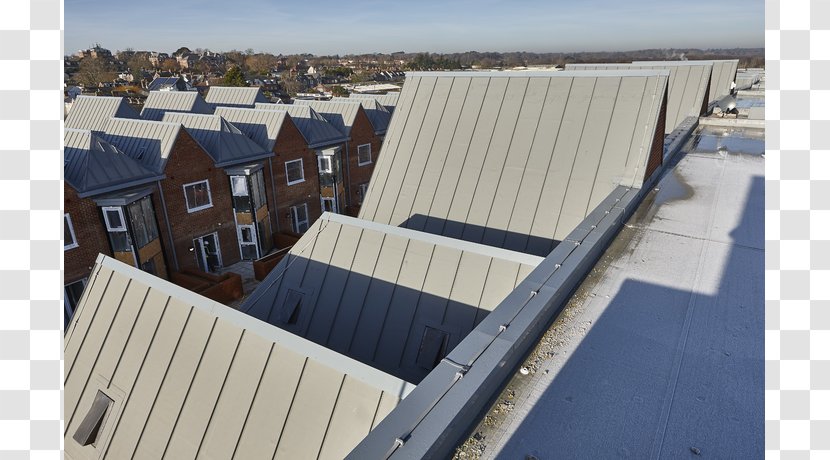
[321,164]
[364,163]
[110,228]
[329,199]
[295,223]
[244,181]
[198,208]
[74,243]
[302,172]
[363,189]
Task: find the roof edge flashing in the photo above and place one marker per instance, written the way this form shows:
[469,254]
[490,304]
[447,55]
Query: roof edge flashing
[552,74]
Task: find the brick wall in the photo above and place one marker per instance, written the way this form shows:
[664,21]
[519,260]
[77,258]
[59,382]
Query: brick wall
[362,133]
[655,158]
[291,145]
[188,163]
[90,235]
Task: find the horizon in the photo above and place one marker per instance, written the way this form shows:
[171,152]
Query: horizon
[372,26]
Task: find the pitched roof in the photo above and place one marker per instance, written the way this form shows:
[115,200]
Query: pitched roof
[187,375]
[93,166]
[688,86]
[224,142]
[371,291]
[378,115]
[232,96]
[148,142]
[262,126]
[388,100]
[315,129]
[168,84]
[341,115]
[93,112]
[479,156]
[723,74]
[160,102]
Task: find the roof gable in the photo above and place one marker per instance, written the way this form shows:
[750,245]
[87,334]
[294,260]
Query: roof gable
[148,142]
[225,143]
[315,129]
[262,126]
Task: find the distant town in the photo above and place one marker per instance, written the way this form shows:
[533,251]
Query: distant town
[129,73]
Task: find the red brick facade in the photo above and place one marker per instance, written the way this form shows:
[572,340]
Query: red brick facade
[362,133]
[90,235]
[291,145]
[188,163]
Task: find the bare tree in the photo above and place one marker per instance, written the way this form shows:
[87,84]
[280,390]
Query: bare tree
[93,71]
[170,65]
[290,84]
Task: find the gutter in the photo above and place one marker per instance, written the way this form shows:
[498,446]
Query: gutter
[119,186]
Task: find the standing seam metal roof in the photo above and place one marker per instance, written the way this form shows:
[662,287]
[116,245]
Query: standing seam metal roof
[225,143]
[723,74]
[189,377]
[341,115]
[93,112]
[689,83]
[148,142]
[315,129]
[231,96]
[93,166]
[378,115]
[479,156]
[371,290]
[160,102]
[262,126]
[388,100]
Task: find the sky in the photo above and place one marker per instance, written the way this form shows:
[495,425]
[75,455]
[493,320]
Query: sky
[327,27]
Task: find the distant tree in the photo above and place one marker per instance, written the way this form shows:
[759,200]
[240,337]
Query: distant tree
[234,77]
[170,65]
[339,91]
[235,57]
[249,51]
[181,51]
[290,84]
[93,71]
[136,63]
[260,63]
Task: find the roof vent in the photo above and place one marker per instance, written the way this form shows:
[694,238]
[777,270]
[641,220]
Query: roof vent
[90,428]
[433,347]
[290,311]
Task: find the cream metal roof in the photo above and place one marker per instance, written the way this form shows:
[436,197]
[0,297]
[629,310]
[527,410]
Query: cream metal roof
[341,115]
[231,96]
[160,102]
[689,83]
[379,116]
[93,112]
[262,126]
[513,160]
[316,130]
[93,166]
[723,74]
[369,290]
[388,100]
[224,142]
[189,377]
[148,142]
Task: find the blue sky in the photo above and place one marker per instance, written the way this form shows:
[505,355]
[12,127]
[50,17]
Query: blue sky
[363,26]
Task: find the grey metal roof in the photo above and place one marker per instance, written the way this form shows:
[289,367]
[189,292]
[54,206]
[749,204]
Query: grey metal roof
[148,142]
[160,102]
[370,290]
[723,74]
[93,166]
[688,85]
[262,126]
[173,83]
[388,100]
[315,129]
[378,115]
[224,142]
[231,96]
[93,112]
[341,115]
[191,378]
[512,160]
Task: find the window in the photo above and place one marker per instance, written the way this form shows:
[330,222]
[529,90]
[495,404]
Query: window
[299,218]
[324,163]
[197,195]
[328,204]
[239,185]
[364,154]
[361,192]
[72,295]
[433,347]
[258,189]
[69,240]
[114,219]
[294,172]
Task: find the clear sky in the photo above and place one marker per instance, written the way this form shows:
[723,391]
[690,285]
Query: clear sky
[363,26]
